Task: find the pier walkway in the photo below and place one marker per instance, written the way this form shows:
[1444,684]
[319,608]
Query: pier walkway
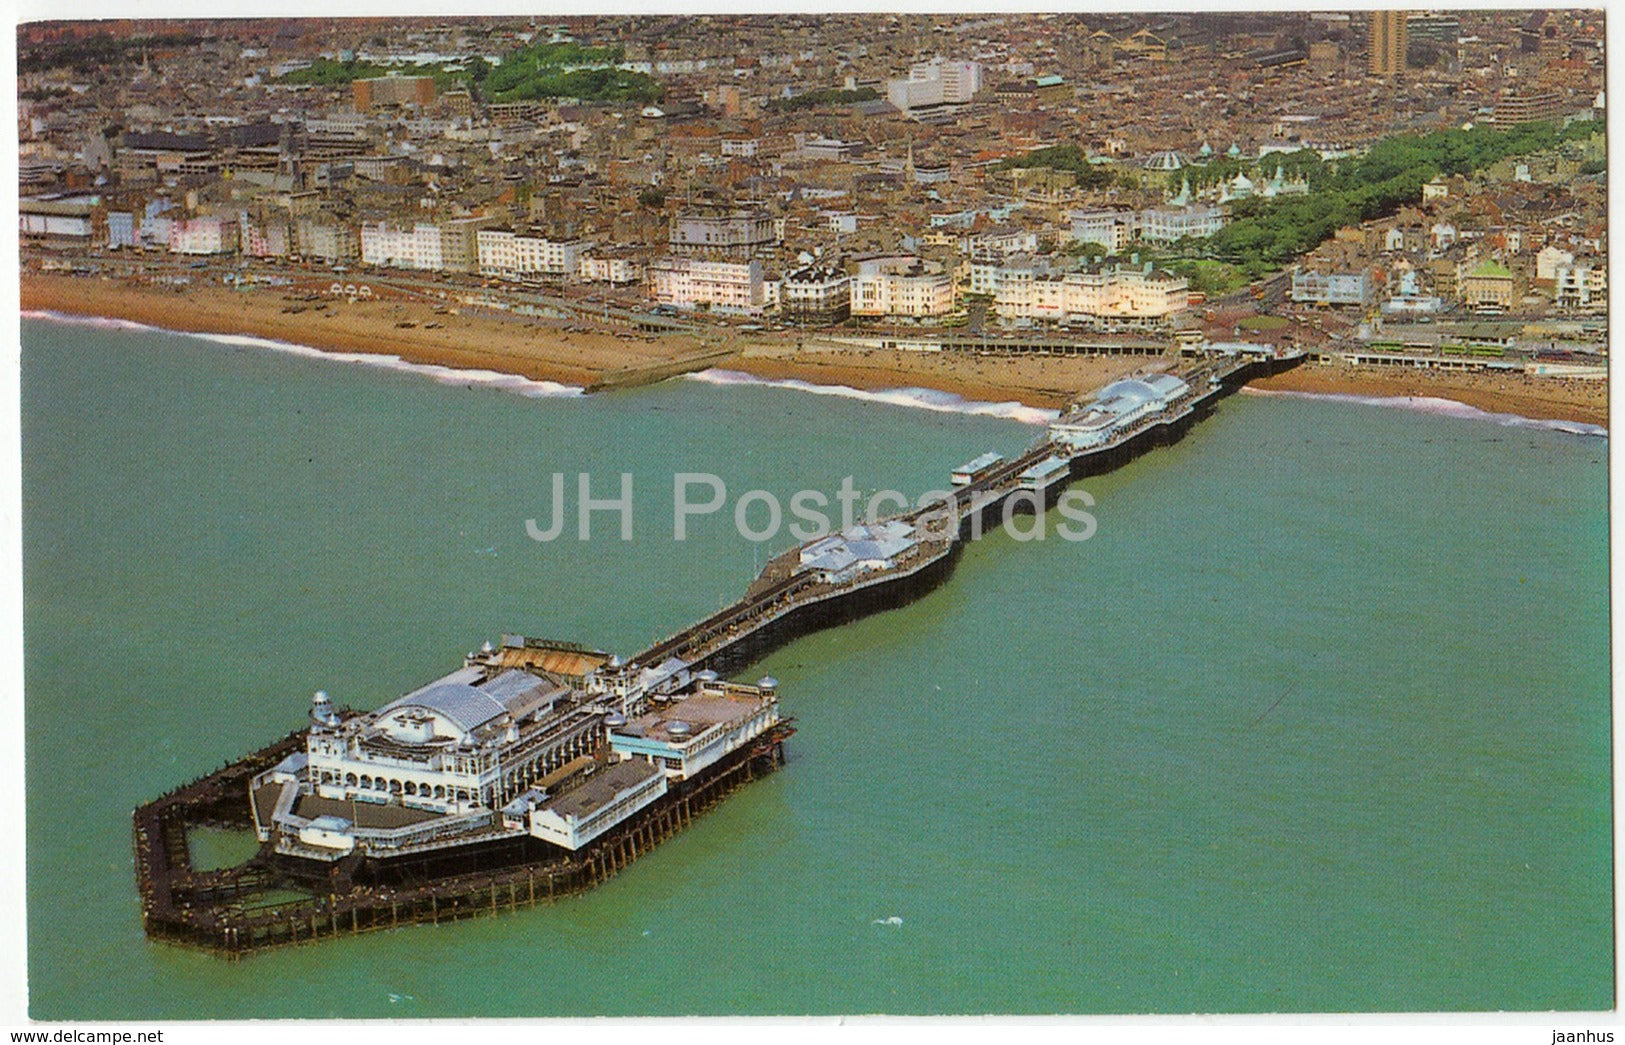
[781,590]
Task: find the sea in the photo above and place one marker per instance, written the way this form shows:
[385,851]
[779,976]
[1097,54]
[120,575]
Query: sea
[1318,719]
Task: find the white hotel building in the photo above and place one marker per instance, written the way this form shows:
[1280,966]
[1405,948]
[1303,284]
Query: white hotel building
[1167,224]
[208,235]
[1107,294]
[1112,229]
[901,286]
[397,246]
[816,294]
[514,255]
[1580,285]
[1117,229]
[723,286]
[618,269]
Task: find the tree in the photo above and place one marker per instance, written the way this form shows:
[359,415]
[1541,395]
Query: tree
[1391,174]
[1088,250]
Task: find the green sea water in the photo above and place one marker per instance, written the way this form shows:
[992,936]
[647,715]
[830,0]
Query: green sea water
[1318,720]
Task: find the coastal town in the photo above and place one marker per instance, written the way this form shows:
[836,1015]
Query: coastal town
[1005,206]
[1216,410]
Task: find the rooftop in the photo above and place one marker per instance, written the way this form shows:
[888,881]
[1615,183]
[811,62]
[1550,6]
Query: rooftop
[602,788]
[469,700]
[976,465]
[698,713]
[362,814]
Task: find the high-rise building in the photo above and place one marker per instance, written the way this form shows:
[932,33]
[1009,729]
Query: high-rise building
[933,84]
[1439,27]
[392,90]
[1390,37]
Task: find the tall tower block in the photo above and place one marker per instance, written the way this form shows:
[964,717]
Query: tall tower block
[1389,38]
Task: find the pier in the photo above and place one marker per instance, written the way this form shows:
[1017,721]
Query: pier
[783,603]
[226,912]
[649,727]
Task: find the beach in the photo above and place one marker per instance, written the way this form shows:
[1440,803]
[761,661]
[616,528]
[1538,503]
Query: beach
[536,348]
[554,350]
[1048,382]
[1540,398]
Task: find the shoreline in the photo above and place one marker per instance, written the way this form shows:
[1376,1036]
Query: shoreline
[1536,399]
[523,346]
[487,344]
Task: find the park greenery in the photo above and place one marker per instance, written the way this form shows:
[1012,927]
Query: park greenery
[1062,158]
[329,72]
[538,71]
[564,70]
[1207,276]
[1267,233]
[589,85]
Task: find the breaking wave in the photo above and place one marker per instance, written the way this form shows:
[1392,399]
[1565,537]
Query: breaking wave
[446,375]
[916,398]
[1442,408]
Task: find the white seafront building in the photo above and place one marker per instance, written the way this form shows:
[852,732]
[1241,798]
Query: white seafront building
[1116,407]
[528,737]
[203,235]
[1116,293]
[901,286]
[518,255]
[615,267]
[723,286]
[397,246]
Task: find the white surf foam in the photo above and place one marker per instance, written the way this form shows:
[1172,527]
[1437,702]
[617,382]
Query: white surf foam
[1442,408]
[446,375]
[914,398]
[103,322]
